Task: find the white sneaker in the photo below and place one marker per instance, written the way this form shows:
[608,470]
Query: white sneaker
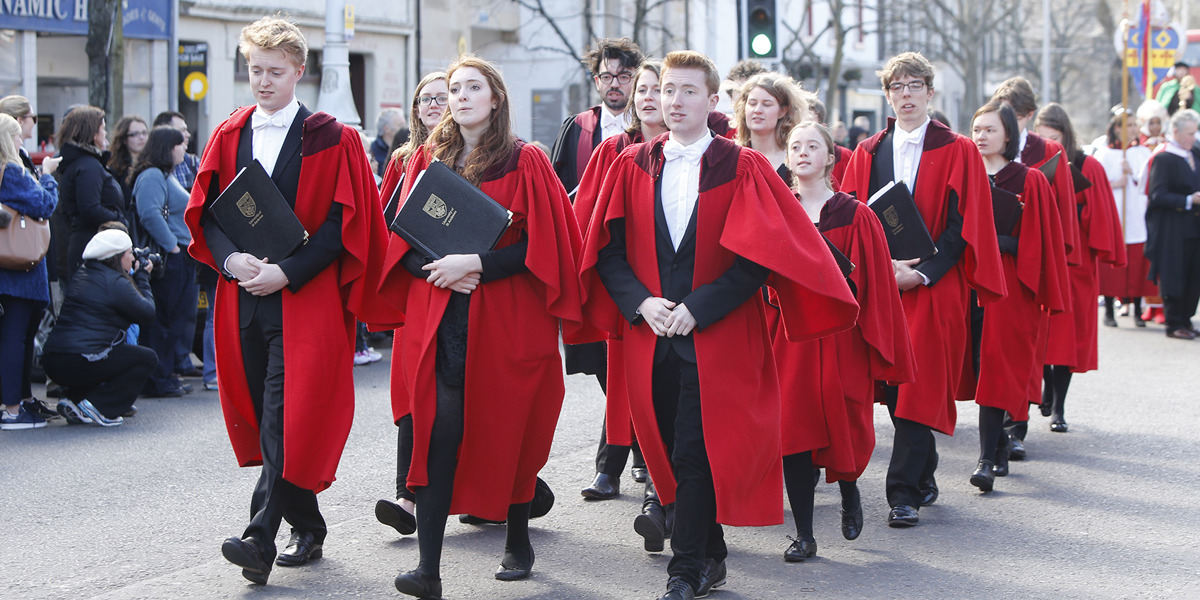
[367,357]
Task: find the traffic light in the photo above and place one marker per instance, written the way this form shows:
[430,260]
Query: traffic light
[760,33]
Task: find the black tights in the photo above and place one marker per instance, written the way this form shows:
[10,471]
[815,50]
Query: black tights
[434,498]
[1109,302]
[1057,380]
[991,427]
[798,476]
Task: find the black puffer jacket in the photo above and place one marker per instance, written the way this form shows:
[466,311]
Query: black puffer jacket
[99,306]
[88,196]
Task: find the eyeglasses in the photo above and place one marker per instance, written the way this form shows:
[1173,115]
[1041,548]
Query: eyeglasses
[132,134]
[623,77]
[913,86]
[440,100]
[30,117]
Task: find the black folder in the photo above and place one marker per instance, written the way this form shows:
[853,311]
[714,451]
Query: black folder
[256,217]
[906,234]
[1007,208]
[1079,179]
[843,262]
[1050,167]
[444,214]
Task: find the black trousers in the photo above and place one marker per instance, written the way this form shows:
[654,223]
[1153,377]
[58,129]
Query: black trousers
[174,324]
[18,326]
[404,449]
[1179,309]
[274,498]
[697,535]
[110,384]
[914,457]
[610,458]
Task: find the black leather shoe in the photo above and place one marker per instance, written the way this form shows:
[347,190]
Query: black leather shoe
[511,568]
[417,583]
[543,499]
[1137,320]
[800,550]
[678,589]
[1000,465]
[474,520]
[639,474]
[852,522]
[903,515]
[1109,321]
[652,526]
[301,548]
[1058,426]
[713,576]
[247,554]
[604,487]
[1181,334]
[1016,448]
[1045,407]
[929,492]
[393,515]
[983,477]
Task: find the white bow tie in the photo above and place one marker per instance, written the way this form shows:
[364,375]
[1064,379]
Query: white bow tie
[608,119]
[691,154]
[259,120]
[907,137]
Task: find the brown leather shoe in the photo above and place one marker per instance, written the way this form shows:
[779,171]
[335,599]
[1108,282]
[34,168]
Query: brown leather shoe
[1181,334]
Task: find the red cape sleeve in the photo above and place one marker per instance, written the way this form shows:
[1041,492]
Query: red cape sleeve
[981,258]
[593,177]
[1041,257]
[1099,217]
[220,155]
[767,226]
[880,316]
[1064,196]
[600,314]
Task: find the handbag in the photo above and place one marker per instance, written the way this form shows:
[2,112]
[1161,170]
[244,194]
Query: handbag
[23,244]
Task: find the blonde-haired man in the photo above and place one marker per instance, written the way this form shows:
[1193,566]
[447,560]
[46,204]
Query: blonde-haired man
[677,279]
[288,411]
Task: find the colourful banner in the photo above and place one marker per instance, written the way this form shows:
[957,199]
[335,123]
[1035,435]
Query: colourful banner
[1162,47]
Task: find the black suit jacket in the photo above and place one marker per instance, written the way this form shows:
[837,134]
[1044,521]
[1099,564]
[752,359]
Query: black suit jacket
[708,303]
[322,248]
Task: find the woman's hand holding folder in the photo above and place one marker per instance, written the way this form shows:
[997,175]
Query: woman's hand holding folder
[459,272]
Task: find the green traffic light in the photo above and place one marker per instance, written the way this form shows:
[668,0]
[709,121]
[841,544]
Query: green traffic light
[761,44]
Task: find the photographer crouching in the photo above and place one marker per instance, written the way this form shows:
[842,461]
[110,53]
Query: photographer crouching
[86,352]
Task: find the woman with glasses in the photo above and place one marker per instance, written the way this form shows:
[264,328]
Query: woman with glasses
[90,196]
[128,139]
[428,103]
[19,108]
[482,374]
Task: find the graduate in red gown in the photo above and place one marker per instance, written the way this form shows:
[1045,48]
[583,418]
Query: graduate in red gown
[428,104]
[1035,272]
[951,191]
[654,522]
[289,412]
[686,229]
[828,384]
[766,109]
[481,368]
[1100,241]
[1034,152]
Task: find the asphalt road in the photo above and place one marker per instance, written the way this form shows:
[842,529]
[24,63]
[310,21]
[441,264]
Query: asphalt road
[1107,510]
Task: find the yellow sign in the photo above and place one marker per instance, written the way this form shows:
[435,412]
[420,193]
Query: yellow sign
[349,16]
[195,86]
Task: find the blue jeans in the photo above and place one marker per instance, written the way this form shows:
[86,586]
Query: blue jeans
[17,327]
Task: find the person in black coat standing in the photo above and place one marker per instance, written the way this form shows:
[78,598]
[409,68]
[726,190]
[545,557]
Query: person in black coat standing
[89,195]
[87,352]
[1173,225]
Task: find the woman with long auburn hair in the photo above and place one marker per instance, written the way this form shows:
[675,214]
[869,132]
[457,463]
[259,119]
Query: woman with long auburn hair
[482,373]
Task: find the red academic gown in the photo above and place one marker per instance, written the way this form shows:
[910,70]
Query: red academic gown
[937,314]
[318,320]
[745,210]
[828,384]
[841,160]
[1036,281]
[618,422]
[513,390]
[1074,344]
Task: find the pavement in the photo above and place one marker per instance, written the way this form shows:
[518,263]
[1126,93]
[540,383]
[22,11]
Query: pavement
[1107,510]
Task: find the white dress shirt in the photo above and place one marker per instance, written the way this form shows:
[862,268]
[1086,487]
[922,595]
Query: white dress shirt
[681,183]
[1021,146]
[906,152]
[1186,153]
[270,131]
[611,124]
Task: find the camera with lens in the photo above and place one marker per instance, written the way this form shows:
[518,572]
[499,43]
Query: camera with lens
[144,256]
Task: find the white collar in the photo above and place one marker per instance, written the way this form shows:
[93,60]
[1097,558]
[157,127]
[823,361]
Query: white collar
[1174,148]
[285,115]
[607,119]
[692,152]
[899,136]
